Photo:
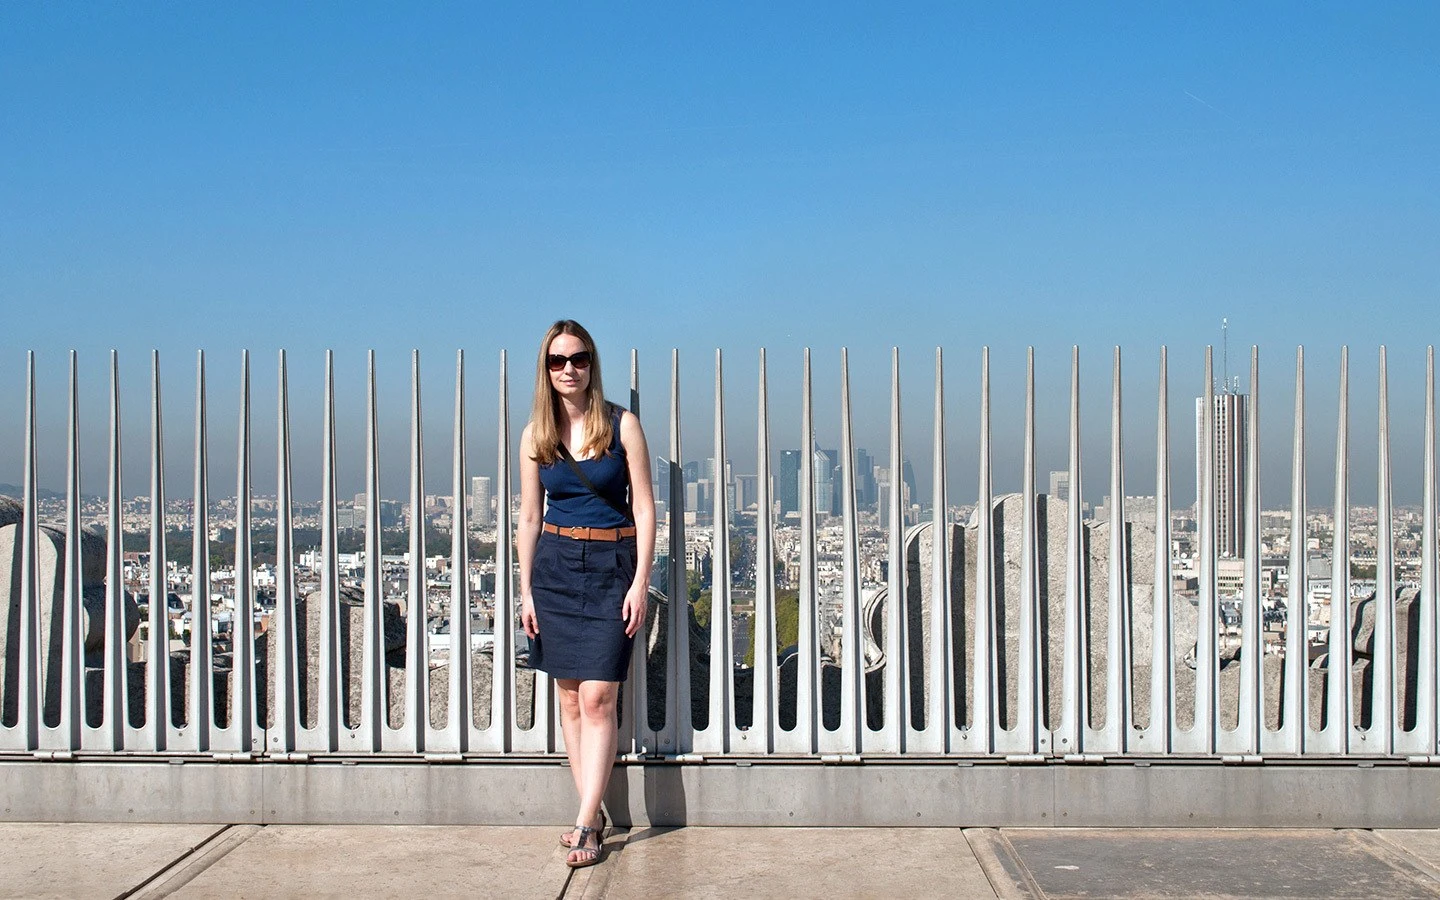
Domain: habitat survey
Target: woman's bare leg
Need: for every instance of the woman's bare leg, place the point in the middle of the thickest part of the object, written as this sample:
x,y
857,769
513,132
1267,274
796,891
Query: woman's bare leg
x,y
568,692
598,739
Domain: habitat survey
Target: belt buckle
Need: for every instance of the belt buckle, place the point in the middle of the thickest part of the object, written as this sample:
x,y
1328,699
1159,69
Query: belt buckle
x,y
575,532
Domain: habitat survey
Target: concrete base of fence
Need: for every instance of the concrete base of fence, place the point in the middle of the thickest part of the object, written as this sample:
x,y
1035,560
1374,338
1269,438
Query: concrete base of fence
x,y
1386,794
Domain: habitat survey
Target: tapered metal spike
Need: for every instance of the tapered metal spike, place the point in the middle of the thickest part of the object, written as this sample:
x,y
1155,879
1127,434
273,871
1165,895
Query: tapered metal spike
x,y
1380,736
157,672
766,700
201,717
1338,717
116,692
72,682
242,736
282,733
1117,637
1162,660
1074,679
329,722
982,708
897,706
852,644
939,710
807,692
1295,714
417,653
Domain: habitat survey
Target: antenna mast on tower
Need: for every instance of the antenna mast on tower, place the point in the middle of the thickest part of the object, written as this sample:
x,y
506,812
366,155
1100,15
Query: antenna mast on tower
x,y
1225,354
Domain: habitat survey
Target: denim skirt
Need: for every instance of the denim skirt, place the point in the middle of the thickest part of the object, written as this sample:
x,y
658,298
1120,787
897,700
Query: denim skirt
x,y
579,588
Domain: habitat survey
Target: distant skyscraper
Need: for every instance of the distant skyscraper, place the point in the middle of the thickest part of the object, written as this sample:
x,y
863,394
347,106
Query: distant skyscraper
x,y
912,494
481,498
747,491
1230,443
882,494
697,498
662,479
789,488
827,478
865,495
1060,485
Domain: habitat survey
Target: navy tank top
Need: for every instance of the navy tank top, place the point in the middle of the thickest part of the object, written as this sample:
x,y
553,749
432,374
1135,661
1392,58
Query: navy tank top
x,y
569,502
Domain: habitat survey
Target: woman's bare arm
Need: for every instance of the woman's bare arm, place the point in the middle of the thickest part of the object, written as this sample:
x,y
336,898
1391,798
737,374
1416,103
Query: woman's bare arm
x,y
527,529
642,505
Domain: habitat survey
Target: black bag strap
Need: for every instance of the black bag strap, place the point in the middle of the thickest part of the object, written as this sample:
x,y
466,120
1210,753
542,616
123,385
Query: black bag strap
x,y
575,467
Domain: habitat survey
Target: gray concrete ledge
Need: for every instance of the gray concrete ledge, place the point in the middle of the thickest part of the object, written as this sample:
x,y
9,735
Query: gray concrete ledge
x,y
728,794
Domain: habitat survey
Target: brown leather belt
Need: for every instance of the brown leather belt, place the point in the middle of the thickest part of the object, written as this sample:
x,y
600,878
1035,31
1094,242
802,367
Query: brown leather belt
x,y
581,533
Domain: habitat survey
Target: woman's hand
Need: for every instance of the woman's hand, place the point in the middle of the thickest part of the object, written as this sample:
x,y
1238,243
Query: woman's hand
x,y
527,616
637,601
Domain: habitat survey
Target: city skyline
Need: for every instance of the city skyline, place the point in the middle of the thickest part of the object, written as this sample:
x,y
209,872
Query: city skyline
x,y
871,421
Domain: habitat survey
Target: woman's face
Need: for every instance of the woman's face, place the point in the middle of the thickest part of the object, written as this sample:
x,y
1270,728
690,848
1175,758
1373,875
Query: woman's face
x,y
569,382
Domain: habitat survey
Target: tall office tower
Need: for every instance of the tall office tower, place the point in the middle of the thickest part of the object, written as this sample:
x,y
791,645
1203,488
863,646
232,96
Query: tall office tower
x,y
697,499
1228,449
912,494
662,479
747,491
865,496
481,496
1060,486
392,514
882,493
827,481
789,488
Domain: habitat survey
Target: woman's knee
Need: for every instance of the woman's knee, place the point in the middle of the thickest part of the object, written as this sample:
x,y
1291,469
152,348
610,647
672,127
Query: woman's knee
x,y
597,702
569,699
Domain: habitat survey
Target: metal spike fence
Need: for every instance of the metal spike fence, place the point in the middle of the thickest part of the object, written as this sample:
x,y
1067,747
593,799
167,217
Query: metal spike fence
x,y
940,692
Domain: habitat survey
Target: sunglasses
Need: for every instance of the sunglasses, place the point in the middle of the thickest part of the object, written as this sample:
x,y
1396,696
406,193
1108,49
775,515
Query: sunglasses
x,y
556,362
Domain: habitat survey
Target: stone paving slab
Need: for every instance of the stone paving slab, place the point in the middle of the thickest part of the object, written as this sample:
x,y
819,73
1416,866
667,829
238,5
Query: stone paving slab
x,y
78,862
1420,848
348,861
1067,864
143,862
787,863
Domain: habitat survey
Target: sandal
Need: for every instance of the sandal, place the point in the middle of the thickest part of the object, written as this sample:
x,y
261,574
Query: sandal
x,y
590,855
567,838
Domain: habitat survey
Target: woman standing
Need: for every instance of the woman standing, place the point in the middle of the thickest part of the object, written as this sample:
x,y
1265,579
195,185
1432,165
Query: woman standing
x,y
585,565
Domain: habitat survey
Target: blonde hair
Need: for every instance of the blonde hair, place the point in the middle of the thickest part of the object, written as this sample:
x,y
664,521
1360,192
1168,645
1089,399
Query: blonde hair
x,y
545,410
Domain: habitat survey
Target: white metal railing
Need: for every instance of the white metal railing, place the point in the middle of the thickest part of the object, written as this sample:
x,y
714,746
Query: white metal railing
x,y
287,732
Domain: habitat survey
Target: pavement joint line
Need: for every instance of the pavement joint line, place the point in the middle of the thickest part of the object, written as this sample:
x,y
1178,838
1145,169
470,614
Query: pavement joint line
x,y
560,855
174,863
1009,878
1393,852
1031,884
198,862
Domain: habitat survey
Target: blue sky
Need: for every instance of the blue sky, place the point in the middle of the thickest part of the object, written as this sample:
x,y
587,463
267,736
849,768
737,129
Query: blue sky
x,y
435,176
